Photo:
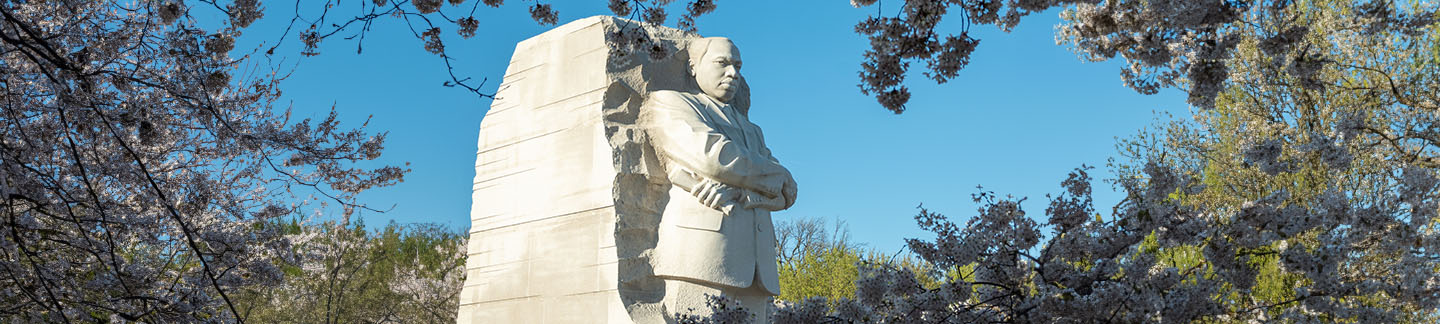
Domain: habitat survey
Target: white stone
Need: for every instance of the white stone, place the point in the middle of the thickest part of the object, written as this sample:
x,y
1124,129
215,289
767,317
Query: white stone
x,y
583,207
715,233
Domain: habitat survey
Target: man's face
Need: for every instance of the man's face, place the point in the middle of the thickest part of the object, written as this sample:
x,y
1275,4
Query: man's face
x,y
718,71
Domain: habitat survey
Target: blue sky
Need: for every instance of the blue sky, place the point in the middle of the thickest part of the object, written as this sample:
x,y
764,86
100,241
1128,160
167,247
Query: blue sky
x,y
1016,120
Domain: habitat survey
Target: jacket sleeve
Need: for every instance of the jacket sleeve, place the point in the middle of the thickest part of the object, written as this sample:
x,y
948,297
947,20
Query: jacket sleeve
x,y
688,142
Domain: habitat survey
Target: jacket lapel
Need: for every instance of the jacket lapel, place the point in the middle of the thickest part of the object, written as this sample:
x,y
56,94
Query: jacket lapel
x,y
724,119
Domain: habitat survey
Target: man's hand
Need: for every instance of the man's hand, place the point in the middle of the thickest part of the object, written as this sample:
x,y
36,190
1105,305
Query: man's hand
x,y
789,191
715,194
781,201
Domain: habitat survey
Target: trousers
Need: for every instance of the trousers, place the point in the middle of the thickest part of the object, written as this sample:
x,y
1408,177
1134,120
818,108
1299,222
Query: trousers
x,y
689,297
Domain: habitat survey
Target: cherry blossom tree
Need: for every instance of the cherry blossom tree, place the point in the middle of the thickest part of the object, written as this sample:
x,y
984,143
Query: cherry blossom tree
x,y
1157,259
1169,253
409,273
1177,44
1304,190
430,21
1168,43
142,167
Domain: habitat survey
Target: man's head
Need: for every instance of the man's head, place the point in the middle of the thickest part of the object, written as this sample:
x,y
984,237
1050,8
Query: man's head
x,y
715,63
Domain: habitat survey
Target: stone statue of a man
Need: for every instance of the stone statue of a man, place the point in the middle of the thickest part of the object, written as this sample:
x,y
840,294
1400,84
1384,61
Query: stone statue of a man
x,y
715,235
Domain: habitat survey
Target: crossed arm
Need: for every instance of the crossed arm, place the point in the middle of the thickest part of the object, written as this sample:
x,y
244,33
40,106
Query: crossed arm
x,y
722,197
714,169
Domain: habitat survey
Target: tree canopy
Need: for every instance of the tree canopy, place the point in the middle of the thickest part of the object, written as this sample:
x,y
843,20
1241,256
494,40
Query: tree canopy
x,y
142,166
1303,190
146,172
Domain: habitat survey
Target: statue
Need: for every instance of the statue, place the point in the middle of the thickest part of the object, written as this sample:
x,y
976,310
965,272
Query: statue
x,y
620,185
715,235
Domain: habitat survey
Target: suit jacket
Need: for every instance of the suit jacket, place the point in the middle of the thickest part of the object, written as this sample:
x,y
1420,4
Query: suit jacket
x,y
700,139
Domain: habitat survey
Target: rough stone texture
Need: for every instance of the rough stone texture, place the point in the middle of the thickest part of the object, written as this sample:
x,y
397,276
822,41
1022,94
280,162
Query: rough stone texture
x,y
568,191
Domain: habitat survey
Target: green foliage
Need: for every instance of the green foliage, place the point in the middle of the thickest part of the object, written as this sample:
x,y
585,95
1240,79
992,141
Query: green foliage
x,y
824,264
831,272
828,272
399,273
1351,125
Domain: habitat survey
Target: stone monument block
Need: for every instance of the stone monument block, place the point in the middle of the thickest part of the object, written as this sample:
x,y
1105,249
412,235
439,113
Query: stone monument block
x,y
606,182
559,158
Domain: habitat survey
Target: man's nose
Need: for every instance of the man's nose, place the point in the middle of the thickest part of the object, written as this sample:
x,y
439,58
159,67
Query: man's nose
x,y
731,71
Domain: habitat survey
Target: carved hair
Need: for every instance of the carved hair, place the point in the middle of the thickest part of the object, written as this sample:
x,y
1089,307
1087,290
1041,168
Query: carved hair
x,y
697,47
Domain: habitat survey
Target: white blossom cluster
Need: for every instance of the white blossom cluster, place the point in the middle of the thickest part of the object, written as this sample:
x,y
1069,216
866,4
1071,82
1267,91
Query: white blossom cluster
x,y
1168,43
1190,44
654,12
1126,269
348,274
145,171
914,34
724,311
430,20
427,20
1309,193
656,43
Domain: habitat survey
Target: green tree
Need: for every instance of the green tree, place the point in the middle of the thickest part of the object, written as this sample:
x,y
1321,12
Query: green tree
x,y
1349,114
828,272
818,260
140,165
397,274
815,259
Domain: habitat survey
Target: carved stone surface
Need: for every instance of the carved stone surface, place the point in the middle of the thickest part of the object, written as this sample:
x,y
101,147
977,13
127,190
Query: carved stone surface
x,y
715,233
570,191
542,246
